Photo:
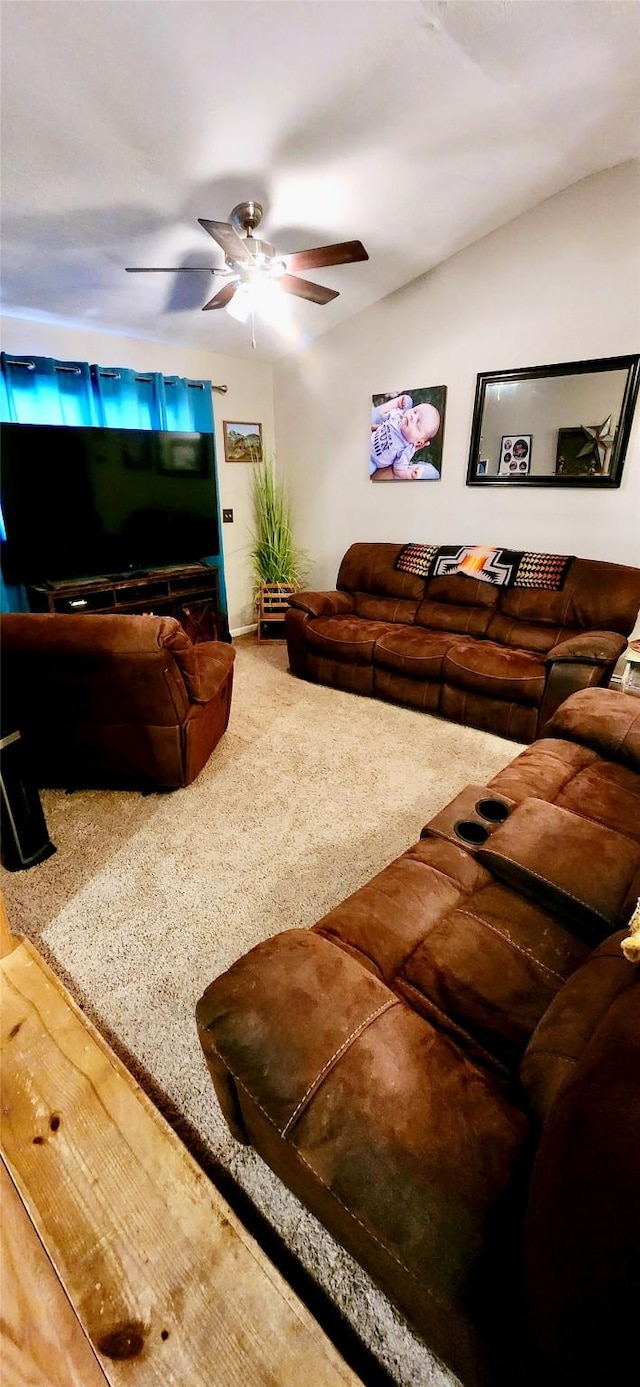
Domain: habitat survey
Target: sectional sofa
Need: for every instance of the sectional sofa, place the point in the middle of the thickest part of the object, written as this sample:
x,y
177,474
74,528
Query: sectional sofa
x,y
493,656
446,1068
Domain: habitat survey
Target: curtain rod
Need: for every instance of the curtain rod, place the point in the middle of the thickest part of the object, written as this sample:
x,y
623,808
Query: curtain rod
x,y
76,370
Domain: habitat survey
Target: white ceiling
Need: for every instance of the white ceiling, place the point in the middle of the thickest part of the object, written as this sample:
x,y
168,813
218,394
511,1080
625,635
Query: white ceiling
x,y
415,127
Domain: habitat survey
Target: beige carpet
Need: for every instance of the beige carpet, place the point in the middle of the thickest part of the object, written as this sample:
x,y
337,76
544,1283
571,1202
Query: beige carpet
x,y
310,792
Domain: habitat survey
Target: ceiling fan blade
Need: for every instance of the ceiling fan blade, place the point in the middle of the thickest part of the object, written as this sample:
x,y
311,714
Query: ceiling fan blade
x,y
316,293
232,244
172,270
222,298
344,253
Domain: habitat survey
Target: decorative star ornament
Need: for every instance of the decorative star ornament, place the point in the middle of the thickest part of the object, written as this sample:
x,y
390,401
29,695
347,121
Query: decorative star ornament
x,y
599,442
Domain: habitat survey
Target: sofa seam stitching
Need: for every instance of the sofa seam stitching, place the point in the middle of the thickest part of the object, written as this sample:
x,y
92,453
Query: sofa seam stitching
x,y
461,1030
315,1083
369,1232
512,944
555,1054
504,678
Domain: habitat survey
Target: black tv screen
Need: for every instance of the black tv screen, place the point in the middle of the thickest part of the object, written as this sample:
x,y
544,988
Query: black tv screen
x,y
83,502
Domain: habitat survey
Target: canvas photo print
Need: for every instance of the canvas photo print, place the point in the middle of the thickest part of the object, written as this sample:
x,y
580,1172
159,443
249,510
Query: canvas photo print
x,y
406,435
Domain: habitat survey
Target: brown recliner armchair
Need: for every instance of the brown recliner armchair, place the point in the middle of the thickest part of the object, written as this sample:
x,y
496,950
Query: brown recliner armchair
x,y
114,700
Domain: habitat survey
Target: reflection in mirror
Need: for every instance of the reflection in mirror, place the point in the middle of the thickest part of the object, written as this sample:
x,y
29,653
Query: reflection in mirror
x,y
561,425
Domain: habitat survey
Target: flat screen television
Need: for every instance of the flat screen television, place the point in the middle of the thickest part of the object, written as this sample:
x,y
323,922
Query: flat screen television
x,y
85,502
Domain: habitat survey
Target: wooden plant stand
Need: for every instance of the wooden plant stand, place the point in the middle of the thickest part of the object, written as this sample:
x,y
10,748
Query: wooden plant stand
x,y
272,603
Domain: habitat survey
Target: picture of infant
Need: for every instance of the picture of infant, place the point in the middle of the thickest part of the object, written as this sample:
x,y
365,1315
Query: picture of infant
x,y
406,435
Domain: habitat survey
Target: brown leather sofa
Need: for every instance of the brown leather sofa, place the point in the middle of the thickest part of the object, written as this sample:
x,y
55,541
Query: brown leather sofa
x,y
498,658
113,700
446,1068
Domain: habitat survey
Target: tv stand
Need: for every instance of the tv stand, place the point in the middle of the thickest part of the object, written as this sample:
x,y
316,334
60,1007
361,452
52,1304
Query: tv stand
x,y
189,592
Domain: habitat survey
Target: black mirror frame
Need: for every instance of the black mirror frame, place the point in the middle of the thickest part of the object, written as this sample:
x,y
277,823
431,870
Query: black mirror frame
x,y
629,363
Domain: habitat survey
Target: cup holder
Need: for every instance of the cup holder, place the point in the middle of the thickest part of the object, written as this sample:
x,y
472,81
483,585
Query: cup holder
x,y
471,832
493,810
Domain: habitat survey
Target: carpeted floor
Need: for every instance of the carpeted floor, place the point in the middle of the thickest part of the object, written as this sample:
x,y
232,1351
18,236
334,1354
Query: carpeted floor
x,y
310,792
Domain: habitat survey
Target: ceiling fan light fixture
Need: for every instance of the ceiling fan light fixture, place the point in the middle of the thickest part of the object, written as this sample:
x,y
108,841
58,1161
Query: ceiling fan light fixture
x,y
259,295
242,303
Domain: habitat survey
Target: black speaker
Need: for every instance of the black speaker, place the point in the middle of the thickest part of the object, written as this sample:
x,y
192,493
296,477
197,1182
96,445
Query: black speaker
x,y
24,837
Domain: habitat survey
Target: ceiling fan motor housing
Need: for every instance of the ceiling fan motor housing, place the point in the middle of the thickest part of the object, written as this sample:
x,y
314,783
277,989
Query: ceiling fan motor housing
x,y
246,216
262,254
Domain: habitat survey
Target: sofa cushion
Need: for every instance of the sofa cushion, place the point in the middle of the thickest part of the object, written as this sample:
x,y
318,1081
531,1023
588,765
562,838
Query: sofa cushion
x,y
542,769
396,609
607,794
491,965
383,922
445,616
594,596
604,719
472,957
414,651
371,568
537,636
459,590
349,638
458,604
486,668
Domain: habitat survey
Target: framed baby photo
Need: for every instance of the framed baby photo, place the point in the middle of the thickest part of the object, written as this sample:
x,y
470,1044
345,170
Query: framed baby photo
x,y
515,455
242,442
406,434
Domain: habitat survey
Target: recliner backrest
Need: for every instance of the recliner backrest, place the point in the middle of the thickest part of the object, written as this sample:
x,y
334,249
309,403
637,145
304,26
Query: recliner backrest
x,y
95,669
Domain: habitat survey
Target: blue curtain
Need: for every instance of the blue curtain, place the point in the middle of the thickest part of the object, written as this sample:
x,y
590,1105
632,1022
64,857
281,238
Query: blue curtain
x,y
39,390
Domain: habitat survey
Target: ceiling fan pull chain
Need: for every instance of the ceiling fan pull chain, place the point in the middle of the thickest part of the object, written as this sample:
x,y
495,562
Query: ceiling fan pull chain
x,y
253,328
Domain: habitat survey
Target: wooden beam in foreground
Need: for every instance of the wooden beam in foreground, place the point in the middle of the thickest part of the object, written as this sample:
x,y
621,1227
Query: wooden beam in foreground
x,y
8,941
43,1344
170,1289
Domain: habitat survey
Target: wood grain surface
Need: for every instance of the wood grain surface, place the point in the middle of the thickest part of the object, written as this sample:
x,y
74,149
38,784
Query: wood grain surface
x,y
42,1343
169,1287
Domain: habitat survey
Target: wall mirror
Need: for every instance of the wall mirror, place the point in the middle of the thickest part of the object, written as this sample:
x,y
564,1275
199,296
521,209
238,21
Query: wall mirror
x,y
561,425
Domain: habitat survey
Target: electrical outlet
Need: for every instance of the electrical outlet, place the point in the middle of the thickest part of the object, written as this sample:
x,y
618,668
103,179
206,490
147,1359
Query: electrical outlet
x,y
227,517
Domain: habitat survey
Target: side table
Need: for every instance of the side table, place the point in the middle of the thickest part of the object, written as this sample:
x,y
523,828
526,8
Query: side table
x,y
631,674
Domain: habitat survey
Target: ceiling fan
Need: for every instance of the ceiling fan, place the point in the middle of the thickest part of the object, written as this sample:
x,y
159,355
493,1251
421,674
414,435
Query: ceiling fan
x,y
252,268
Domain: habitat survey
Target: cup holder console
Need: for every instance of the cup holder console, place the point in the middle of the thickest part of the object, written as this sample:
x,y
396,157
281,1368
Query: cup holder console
x,y
495,811
471,832
471,818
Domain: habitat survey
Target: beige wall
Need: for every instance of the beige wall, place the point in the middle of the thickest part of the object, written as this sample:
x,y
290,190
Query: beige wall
x,y
560,283
249,397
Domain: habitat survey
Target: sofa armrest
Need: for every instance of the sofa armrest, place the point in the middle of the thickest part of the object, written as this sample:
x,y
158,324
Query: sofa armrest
x,y
324,603
281,1018
598,647
213,663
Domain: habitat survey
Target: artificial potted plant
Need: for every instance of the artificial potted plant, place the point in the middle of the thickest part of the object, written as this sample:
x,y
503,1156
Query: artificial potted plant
x,y
279,567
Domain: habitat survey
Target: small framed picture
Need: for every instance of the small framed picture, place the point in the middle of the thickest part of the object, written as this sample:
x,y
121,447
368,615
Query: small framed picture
x,y
515,455
242,442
